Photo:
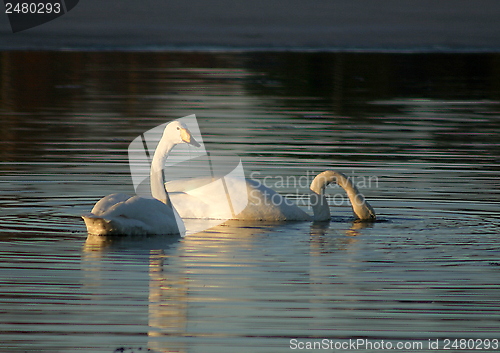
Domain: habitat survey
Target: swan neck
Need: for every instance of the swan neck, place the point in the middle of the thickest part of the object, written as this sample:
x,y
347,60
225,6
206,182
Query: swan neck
x,y
318,201
361,208
158,190
319,183
319,204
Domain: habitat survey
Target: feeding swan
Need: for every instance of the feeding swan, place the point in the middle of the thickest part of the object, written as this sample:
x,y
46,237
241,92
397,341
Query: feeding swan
x,y
263,202
120,214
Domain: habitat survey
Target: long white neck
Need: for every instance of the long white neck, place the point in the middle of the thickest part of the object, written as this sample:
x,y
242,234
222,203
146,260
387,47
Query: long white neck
x,y
318,200
156,174
360,206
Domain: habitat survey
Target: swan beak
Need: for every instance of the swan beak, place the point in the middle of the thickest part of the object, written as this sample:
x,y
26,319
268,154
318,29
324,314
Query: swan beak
x,y
188,138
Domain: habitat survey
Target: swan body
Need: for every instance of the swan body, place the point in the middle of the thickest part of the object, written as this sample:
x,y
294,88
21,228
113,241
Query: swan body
x,y
120,214
264,204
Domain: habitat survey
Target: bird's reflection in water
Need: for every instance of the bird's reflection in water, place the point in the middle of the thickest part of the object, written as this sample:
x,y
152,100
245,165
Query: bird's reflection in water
x,y
221,265
167,293
329,249
356,226
326,239
176,267
168,302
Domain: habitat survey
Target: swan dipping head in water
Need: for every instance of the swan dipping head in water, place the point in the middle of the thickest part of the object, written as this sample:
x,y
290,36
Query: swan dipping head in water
x,y
360,207
264,204
120,214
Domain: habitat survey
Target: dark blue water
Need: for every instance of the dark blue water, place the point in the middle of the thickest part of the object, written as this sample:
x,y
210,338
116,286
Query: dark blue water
x,y
419,133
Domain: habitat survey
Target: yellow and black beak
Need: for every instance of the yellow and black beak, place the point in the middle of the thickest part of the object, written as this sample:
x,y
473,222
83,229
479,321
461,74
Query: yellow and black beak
x,y
188,138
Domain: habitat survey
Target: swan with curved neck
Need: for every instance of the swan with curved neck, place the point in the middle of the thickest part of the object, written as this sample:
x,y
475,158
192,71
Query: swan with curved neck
x,y
265,204
361,208
120,214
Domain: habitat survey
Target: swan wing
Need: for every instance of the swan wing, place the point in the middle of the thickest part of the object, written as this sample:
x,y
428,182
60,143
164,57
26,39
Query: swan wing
x,y
207,198
191,206
266,204
106,203
231,198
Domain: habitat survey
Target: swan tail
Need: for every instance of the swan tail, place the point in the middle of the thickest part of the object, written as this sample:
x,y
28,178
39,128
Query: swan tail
x,y
101,226
97,225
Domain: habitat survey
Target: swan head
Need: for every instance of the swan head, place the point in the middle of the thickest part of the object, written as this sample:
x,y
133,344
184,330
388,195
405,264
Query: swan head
x,y
179,133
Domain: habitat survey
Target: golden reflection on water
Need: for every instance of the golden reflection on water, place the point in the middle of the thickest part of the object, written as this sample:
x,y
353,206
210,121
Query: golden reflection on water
x,y
321,241
422,124
196,270
168,301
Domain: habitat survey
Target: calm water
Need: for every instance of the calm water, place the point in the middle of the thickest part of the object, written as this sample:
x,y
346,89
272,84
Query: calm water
x,y
419,132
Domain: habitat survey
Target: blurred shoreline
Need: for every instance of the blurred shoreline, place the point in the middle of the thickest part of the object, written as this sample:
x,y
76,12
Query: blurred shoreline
x,y
195,25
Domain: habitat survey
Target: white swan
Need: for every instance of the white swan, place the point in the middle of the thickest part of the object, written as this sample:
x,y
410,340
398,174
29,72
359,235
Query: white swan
x,y
120,214
263,202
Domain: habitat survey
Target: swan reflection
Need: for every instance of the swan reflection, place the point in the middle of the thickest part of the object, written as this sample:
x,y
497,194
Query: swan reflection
x,y
212,283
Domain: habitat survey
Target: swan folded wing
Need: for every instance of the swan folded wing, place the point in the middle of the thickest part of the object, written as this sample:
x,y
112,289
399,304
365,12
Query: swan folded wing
x,y
106,203
231,198
266,204
190,206
208,198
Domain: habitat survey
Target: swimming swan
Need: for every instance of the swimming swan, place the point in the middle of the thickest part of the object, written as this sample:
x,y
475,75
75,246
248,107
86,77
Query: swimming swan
x,y
263,202
120,214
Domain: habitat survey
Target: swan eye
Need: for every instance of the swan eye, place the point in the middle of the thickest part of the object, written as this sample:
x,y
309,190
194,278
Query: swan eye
x,y
178,128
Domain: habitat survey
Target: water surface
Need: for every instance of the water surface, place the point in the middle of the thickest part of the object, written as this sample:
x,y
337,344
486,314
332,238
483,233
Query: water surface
x,y
419,133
